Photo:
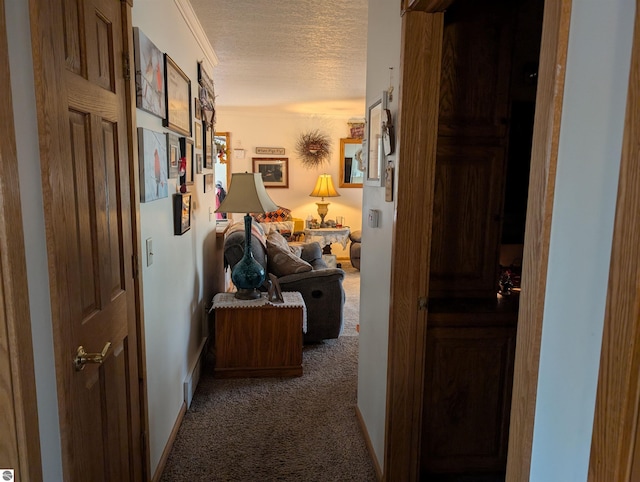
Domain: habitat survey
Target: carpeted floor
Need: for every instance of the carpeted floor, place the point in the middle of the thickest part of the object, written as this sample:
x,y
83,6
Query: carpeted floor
x,y
285,429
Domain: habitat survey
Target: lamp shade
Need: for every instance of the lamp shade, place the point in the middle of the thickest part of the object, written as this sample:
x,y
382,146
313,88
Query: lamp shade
x,y
247,194
324,187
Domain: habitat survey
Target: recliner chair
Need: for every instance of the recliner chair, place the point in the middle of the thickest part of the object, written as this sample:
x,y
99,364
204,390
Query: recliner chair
x,y
354,248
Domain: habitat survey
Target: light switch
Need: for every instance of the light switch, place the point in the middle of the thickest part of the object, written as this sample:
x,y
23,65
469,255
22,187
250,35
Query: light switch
x,y
149,252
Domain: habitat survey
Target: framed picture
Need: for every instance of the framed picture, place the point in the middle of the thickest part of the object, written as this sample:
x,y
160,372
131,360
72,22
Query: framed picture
x,y
375,151
275,292
198,163
208,183
197,110
186,151
198,135
209,148
150,80
181,213
173,148
153,165
178,98
274,170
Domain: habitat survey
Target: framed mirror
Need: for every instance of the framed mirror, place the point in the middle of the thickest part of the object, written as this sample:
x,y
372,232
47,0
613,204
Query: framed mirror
x,y
351,163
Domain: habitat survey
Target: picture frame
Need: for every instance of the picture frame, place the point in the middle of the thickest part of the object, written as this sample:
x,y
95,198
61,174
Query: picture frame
x,y
374,174
274,292
173,149
186,151
208,183
198,163
152,152
274,171
197,110
150,75
198,135
177,99
181,213
209,147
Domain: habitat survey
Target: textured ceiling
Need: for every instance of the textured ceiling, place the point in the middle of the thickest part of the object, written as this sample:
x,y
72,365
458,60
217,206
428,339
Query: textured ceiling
x,y
305,54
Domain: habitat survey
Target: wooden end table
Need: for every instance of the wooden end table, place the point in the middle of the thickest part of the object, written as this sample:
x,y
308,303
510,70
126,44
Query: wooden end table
x,y
256,338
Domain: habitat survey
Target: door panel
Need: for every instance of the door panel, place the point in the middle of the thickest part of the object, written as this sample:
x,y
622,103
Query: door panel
x,y
89,226
466,210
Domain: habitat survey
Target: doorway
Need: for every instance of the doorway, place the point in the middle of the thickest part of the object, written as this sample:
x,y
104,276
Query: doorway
x,y
423,44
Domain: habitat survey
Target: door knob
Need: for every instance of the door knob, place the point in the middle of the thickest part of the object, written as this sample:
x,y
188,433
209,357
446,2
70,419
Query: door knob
x,y
82,357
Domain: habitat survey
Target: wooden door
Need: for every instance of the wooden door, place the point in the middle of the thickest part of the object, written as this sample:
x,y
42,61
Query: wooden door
x,y
472,141
78,61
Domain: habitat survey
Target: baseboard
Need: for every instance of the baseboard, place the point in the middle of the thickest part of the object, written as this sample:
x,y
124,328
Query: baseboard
x,y
367,441
167,449
193,377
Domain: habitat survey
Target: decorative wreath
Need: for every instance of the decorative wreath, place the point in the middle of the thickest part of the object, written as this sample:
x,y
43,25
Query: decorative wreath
x,y
314,148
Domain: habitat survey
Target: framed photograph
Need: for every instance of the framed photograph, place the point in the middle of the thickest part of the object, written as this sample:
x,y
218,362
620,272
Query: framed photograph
x,y
178,98
198,163
186,151
209,148
150,80
153,165
198,135
173,148
375,151
275,292
208,183
274,170
197,110
181,213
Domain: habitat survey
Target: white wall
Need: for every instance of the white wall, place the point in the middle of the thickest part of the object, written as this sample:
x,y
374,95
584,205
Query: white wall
x,y
581,232
24,110
280,127
383,52
174,285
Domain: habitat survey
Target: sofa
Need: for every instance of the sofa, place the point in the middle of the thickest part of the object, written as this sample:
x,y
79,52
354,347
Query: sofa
x,y
297,268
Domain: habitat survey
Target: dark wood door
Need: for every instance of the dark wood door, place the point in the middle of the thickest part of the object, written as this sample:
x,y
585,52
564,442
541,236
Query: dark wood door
x,y
467,405
78,52
472,141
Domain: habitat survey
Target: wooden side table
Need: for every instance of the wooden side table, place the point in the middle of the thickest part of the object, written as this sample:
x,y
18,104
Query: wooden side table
x,y
256,338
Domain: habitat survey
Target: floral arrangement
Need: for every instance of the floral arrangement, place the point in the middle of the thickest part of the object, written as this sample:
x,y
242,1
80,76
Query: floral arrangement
x,y
314,148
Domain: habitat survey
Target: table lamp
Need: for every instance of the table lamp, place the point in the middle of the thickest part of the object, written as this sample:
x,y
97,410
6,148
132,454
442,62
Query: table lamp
x,y
247,194
324,188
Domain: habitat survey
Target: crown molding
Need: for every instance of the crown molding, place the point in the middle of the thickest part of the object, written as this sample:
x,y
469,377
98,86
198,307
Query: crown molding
x,y
190,17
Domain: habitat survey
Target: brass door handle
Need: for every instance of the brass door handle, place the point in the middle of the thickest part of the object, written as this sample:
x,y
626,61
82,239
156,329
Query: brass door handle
x,y
82,357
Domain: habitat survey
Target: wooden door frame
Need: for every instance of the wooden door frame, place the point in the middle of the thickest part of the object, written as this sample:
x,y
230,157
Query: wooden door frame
x,y
134,190
422,26
614,450
20,449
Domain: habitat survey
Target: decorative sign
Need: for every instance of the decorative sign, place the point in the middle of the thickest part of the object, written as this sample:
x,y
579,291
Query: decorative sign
x,y
277,151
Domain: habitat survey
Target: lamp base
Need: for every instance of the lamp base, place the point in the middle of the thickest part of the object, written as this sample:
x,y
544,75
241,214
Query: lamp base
x,y
323,209
247,274
247,294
